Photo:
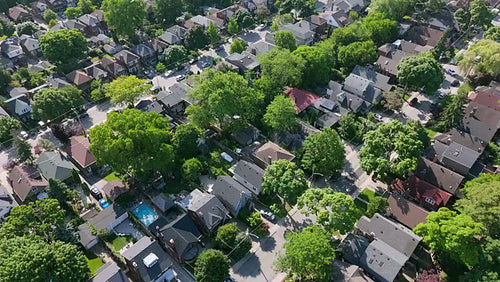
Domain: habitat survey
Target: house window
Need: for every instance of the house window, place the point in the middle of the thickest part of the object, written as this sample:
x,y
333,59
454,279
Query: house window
x,y
430,201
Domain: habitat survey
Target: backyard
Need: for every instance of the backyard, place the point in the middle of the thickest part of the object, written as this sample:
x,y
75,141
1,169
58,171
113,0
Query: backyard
x,y
93,261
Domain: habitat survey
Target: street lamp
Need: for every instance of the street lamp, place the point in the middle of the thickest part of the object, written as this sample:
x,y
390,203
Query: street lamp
x,y
251,234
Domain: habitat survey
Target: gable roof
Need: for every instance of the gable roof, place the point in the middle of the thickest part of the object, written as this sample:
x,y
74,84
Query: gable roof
x,y
424,35
142,50
53,165
383,261
112,65
29,43
486,96
250,172
107,216
463,138
185,235
80,152
405,211
379,80
207,206
439,176
114,188
89,20
78,77
260,47
301,98
96,71
483,114
176,94
273,152
244,60
163,202
346,272
23,179
17,11
459,154
230,192
362,87
110,272
126,56
424,192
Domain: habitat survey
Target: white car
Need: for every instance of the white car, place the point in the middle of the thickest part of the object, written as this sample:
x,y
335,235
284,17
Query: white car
x,y
180,77
378,117
441,95
261,27
452,72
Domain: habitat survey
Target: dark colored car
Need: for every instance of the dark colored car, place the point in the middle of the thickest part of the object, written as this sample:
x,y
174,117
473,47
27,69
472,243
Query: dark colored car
x,y
413,102
455,83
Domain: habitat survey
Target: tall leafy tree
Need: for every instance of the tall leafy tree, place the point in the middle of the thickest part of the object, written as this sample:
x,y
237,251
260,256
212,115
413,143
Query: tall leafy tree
x,y
224,98
377,205
133,142
316,70
64,46
282,67
394,9
212,266
213,33
27,28
52,103
124,16
419,71
390,150
166,11
381,28
232,241
238,46
23,150
453,111
232,27
334,210
285,39
27,259
126,90
308,254
58,190
7,126
493,33
455,235
481,14
280,114
48,15
185,140
73,12
243,18
487,52
175,55
285,179
357,53
86,6
5,79
323,153
196,38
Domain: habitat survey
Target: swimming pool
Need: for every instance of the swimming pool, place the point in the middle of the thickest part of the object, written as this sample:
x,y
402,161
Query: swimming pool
x,y
145,214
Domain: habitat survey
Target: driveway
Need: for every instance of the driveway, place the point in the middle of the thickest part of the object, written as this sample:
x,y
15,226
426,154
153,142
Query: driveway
x,y
448,79
419,111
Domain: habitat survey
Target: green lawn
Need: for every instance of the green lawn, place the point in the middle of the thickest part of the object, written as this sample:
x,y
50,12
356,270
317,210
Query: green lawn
x,y
120,242
94,262
431,132
111,177
367,195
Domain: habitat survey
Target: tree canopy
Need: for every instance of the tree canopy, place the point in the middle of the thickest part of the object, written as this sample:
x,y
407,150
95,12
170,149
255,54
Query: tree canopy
x,y
48,15
134,142
285,179
124,16
231,240
64,47
392,149
419,71
316,70
282,67
323,153
212,266
483,57
28,259
334,210
308,254
381,28
232,27
222,97
357,53
7,125
213,33
394,9
185,140
480,14
52,103
280,113
456,235
238,46
175,55
493,33
196,38
353,127
166,11
285,39
126,90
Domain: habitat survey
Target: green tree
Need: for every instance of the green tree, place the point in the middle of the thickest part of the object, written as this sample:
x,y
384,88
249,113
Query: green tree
x,y
135,142
433,6
281,19
212,266
23,150
124,16
422,134
419,71
238,46
334,210
357,53
482,203
5,79
323,153
231,240
27,28
73,12
185,140
126,90
455,235
166,11
354,128
282,67
262,13
280,114
308,254
63,47
191,169
52,103
316,70
175,55
381,28
232,27
52,23
86,6
463,18
7,126
196,38
481,14
487,52
58,190
453,111
285,179
482,179
213,33
493,33
377,205
243,18
394,9
393,100
8,27
285,39
392,149
26,259
220,97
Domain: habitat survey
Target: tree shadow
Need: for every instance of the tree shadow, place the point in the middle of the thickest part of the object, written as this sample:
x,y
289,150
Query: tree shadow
x,y
251,267
268,244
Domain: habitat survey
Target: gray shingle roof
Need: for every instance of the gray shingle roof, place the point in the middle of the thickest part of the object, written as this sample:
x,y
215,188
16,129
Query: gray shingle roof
x,y
250,172
380,81
107,216
230,192
382,261
185,235
53,165
110,272
439,176
207,206
362,87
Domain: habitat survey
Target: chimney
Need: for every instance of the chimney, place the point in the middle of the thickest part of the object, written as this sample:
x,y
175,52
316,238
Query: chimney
x,y
473,112
435,158
300,24
172,243
254,52
269,159
350,102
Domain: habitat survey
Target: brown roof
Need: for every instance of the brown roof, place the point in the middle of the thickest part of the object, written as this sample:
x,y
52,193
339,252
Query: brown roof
x,y
99,14
78,77
23,179
440,176
16,11
405,211
422,191
423,35
113,189
316,20
488,97
79,151
274,152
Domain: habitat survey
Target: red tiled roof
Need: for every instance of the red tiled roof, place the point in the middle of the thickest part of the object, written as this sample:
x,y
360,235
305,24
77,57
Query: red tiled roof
x,y
80,152
426,193
302,98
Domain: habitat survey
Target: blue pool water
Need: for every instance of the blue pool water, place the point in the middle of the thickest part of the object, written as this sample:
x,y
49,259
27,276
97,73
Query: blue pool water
x,y
145,214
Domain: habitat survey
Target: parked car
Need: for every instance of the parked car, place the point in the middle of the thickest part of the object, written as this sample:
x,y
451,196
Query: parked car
x,y
267,214
261,27
452,72
205,65
413,102
455,83
95,193
441,95
103,203
180,77
378,117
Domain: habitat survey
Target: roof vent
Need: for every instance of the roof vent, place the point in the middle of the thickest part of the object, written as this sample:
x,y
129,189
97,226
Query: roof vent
x,y
150,260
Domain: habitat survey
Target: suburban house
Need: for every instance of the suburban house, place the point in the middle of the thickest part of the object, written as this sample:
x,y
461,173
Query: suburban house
x,y
38,7
481,121
106,219
336,19
246,135
16,91
80,152
114,188
26,182
270,152
147,261
346,272
406,212
19,107
302,98
147,105
260,47
351,102
424,35
175,100
19,14
439,176
80,79
181,238
231,193
318,24
159,47
385,256
423,192
58,6
459,158
198,20
379,80
249,175
30,45
110,272
92,25
163,202
12,50
53,165
347,5
391,54
6,203
486,96
463,138
98,40
129,59
112,48
244,61
113,67
173,35
146,53
302,32
363,88
205,210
